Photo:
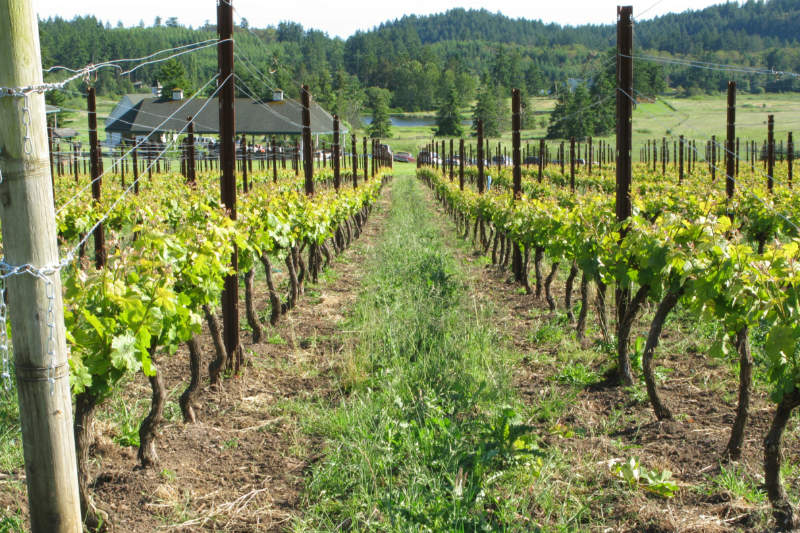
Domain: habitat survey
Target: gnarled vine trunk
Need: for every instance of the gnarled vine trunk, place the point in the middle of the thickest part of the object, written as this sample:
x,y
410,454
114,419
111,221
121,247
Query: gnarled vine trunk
x,y
85,406
782,509
665,306
627,311
149,428
274,299
551,302
188,399
249,304
215,366
734,448
573,272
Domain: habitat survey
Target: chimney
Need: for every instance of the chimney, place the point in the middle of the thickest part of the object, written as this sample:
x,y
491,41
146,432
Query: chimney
x,y
277,95
177,94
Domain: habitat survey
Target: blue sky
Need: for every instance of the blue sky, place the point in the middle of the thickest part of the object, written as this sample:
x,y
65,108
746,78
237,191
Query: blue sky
x,y
344,17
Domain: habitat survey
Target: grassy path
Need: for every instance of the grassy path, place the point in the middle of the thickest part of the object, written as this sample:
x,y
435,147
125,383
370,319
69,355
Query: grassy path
x,y
426,437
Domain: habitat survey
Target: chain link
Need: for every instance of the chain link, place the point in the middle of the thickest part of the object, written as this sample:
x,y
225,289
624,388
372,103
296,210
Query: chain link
x,y
50,292
26,122
5,368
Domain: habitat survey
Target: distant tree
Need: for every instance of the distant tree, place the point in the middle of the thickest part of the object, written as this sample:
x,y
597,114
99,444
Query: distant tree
x,y
173,75
527,119
448,119
381,126
157,22
172,22
572,116
489,108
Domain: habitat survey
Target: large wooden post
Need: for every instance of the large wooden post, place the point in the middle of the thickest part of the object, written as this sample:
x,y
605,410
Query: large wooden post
x,y
516,122
730,142
481,179
35,308
191,174
97,181
227,122
336,162
354,142
308,150
624,166
461,164
770,152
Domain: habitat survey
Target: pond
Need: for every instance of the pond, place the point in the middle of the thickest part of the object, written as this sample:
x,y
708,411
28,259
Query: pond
x,y
410,122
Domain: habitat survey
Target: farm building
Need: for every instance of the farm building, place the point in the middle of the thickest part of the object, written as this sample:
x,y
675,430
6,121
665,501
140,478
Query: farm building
x,y
141,114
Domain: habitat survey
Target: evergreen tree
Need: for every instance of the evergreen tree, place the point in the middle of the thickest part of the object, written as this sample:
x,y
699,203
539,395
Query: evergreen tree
x,y
448,119
173,76
381,126
573,115
489,108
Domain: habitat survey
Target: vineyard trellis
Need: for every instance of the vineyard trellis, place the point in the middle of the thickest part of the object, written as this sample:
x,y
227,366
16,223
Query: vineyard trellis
x,y
731,257
122,314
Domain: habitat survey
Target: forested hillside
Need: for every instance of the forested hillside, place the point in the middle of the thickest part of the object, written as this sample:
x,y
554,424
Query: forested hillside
x,y
421,59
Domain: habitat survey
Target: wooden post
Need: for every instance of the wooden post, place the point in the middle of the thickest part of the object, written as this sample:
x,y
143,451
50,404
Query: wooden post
x,y
366,159
191,174
461,164
770,152
308,163
245,157
624,145
541,158
355,160
336,176
135,170
680,160
452,162
35,307
730,146
572,164
274,144
516,124
75,160
97,181
227,121
481,180
790,158
590,151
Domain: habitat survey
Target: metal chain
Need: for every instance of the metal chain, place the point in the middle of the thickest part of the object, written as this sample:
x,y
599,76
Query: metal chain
x,y
5,369
27,142
50,292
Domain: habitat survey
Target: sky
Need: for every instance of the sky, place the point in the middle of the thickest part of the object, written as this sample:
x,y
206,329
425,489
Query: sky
x,y
342,18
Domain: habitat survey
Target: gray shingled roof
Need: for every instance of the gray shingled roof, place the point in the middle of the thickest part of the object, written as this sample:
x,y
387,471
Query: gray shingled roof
x,y
257,118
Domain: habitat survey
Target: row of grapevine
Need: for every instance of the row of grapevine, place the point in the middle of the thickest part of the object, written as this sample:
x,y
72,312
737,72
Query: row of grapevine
x,y
734,261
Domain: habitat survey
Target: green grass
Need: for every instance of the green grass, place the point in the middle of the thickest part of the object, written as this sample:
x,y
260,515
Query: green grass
x,y
430,437
697,118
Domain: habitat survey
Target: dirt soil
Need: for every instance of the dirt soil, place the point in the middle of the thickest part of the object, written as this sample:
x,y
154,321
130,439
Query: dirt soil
x,y
241,467
603,420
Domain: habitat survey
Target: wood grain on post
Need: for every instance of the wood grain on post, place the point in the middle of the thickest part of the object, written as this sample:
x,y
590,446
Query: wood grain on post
x,y
29,237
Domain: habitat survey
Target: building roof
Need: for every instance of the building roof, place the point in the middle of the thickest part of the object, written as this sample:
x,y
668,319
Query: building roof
x,y
64,133
282,117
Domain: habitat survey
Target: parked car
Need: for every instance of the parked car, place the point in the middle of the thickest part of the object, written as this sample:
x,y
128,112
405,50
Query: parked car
x,y
531,160
429,158
404,157
502,160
